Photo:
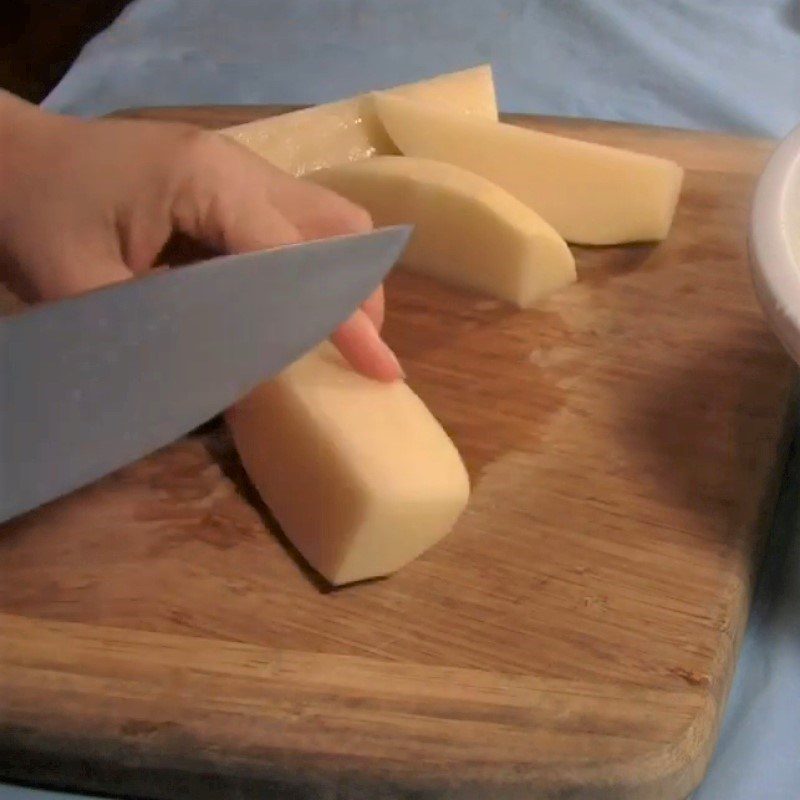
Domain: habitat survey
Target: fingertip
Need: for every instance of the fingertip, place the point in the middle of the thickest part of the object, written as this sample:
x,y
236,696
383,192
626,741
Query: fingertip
x,y
388,369
360,343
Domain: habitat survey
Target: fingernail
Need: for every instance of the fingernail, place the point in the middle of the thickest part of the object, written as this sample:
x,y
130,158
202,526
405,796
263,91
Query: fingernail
x,y
396,361
391,355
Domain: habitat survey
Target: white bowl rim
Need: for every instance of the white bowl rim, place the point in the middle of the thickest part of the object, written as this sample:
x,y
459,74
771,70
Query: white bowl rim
x,y
775,267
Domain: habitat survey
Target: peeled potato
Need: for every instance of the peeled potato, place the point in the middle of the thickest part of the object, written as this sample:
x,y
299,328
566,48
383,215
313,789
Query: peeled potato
x,y
468,231
591,194
349,130
360,475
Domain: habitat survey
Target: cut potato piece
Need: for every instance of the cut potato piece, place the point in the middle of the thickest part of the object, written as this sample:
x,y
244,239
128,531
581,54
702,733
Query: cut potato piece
x,y
359,474
348,130
591,194
468,231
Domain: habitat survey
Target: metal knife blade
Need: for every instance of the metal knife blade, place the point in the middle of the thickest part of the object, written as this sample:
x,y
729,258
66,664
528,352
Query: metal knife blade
x,y
94,382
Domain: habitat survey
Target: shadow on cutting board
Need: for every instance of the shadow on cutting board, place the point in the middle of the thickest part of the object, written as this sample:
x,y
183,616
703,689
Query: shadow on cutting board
x,y
469,358
697,442
220,447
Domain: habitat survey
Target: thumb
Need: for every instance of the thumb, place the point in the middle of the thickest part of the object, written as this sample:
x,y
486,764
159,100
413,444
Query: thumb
x,y
91,274
53,277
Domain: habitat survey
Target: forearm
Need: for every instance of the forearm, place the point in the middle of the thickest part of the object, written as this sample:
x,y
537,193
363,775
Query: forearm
x,y
10,104
16,117
24,127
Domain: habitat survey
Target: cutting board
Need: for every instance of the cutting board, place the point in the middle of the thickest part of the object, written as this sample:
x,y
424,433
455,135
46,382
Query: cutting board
x,y
574,636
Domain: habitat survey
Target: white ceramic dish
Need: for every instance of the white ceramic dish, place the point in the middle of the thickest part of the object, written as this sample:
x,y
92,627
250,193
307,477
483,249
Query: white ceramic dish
x,y
775,242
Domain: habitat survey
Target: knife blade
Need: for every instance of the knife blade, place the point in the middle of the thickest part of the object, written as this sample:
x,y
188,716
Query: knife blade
x,y
91,383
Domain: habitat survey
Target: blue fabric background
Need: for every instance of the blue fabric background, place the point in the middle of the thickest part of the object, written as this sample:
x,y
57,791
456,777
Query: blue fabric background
x,y
717,64
723,64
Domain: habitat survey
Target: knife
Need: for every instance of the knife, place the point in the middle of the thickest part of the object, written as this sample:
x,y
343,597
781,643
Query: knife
x,y
91,383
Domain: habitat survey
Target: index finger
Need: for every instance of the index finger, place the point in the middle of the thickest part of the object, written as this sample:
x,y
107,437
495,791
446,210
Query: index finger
x,y
360,343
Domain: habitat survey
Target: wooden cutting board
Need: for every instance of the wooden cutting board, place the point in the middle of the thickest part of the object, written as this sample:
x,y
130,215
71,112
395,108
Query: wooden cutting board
x,y
574,637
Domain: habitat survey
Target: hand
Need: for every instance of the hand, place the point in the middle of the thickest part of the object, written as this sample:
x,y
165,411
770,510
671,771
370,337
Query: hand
x,y
88,203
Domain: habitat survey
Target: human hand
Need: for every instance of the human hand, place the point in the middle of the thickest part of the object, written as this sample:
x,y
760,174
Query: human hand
x,y
88,203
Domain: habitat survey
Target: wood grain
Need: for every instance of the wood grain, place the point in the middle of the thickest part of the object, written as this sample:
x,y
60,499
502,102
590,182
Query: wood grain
x,y
575,635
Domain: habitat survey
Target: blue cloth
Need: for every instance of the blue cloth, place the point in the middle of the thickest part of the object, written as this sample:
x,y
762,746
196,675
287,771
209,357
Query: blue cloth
x,y
726,64
729,65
